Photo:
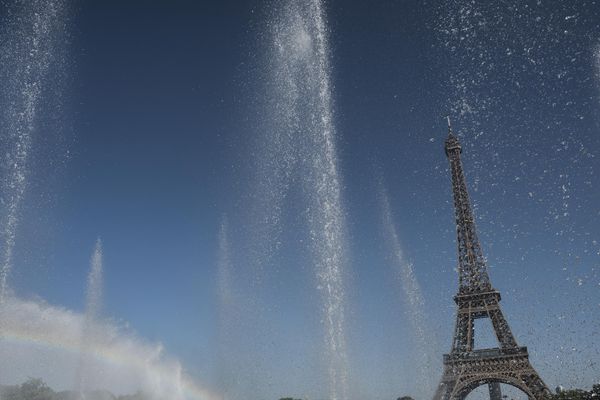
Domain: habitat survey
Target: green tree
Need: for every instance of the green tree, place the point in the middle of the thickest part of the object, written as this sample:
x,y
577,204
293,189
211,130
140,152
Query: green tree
x,y
32,389
577,394
137,396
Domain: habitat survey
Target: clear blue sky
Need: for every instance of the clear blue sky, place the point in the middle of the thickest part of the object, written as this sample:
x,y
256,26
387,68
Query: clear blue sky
x,y
159,116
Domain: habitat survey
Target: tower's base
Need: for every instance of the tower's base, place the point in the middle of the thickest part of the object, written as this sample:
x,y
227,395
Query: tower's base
x,y
464,372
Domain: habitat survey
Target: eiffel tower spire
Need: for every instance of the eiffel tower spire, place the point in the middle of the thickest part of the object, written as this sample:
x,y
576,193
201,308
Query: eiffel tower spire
x,y
472,270
466,368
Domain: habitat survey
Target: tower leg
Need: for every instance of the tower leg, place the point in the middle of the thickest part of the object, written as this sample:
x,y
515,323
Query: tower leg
x,y
495,391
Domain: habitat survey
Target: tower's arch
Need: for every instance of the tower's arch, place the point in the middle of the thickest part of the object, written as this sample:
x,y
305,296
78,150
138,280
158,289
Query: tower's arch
x,y
465,388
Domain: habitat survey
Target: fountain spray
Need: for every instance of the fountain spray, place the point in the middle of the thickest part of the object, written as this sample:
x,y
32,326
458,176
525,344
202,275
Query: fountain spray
x,y
411,291
27,51
93,306
301,143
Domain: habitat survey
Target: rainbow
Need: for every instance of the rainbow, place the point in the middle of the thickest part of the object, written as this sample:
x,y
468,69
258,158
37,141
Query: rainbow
x,y
171,373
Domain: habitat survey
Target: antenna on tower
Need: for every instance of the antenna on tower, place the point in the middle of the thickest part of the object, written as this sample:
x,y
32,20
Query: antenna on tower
x,y
449,124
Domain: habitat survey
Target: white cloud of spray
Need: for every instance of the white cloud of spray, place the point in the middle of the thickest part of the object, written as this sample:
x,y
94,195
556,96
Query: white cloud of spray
x,y
41,340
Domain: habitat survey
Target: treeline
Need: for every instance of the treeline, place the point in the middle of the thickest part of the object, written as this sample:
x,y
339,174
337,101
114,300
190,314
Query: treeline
x,y
571,394
37,389
578,394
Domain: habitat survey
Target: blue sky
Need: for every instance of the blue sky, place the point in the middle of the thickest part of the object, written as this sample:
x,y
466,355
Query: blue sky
x,y
154,140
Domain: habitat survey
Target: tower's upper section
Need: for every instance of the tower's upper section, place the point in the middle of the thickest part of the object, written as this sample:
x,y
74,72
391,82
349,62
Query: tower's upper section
x,y
473,276
452,143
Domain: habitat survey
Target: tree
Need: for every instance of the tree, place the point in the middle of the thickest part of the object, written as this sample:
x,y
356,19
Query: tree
x,y
577,394
137,396
405,398
32,389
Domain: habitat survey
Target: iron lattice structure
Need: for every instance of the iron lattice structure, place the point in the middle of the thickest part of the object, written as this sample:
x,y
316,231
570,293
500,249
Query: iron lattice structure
x,y
466,368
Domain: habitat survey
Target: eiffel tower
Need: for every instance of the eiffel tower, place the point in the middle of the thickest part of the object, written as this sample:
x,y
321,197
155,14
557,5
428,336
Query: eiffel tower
x,y
466,368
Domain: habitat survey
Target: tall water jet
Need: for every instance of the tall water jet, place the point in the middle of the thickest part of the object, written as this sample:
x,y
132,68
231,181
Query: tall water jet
x,y
413,296
27,50
596,61
224,266
93,306
300,147
93,300
227,326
